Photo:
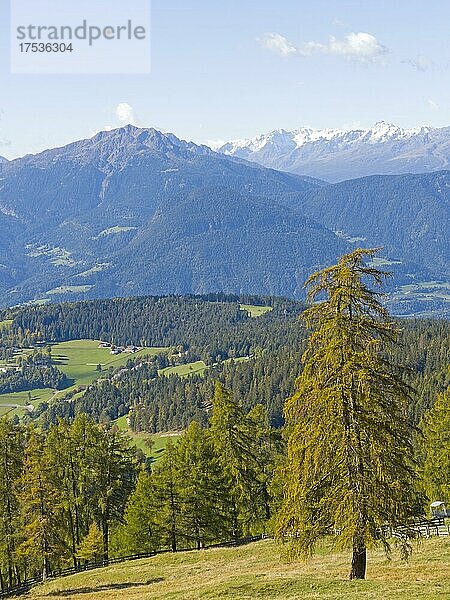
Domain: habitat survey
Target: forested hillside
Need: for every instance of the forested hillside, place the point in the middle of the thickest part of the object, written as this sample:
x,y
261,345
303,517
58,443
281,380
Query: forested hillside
x,y
69,464
210,327
258,358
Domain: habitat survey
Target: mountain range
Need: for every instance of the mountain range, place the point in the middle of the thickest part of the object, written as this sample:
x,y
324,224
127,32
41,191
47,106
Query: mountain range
x,y
339,154
135,211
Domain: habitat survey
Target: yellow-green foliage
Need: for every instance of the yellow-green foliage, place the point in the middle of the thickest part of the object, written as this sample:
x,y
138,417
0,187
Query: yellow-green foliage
x,y
6,324
348,467
436,470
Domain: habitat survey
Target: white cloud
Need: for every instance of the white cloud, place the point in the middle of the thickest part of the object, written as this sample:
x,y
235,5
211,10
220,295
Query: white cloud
x,y
433,105
125,114
278,43
361,47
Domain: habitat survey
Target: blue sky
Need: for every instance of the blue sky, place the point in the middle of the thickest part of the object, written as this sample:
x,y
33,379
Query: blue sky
x,y
222,70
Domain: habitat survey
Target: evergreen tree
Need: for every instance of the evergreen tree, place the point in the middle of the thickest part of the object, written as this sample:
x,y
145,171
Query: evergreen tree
x,y
348,471
164,485
64,473
11,463
226,430
114,466
265,447
203,489
247,447
41,507
91,547
141,531
436,444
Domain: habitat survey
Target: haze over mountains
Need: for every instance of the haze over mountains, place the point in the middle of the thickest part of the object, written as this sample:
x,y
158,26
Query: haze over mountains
x,y
339,154
135,211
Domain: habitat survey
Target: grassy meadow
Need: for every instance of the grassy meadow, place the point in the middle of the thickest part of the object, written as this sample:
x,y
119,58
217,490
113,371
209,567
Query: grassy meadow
x,y
254,310
8,402
256,571
78,360
151,444
195,368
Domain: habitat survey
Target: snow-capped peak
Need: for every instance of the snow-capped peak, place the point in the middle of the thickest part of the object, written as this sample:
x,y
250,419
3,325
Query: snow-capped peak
x,y
336,154
381,131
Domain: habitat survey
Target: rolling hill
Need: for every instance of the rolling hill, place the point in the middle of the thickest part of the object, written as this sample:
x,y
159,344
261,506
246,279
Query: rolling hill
x,y
256,571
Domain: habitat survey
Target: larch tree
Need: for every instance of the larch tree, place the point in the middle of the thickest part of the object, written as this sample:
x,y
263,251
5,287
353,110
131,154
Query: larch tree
x,y
203,489
436,445
11,464
41,507
349,470
114,467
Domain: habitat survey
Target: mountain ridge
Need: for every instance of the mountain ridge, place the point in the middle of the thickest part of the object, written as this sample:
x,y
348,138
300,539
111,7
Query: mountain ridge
x,y
340,154
135,211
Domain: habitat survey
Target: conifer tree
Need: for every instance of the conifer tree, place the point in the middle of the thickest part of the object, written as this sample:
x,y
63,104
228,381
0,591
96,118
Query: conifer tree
x,y
114,466
231,447
65,476
141,531
348,471
164,485
11,462
40,501
246,446
436,444
203,489
265,446
91,547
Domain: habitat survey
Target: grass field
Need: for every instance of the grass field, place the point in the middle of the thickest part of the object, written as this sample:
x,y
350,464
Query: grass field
x,y
254,310
194,368
256,571
21,399
78,359
159,441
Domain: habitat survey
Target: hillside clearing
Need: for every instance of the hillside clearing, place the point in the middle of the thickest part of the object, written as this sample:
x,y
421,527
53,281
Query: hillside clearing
x,y
194,368
255,310
21,399
158,441
78,360
256,571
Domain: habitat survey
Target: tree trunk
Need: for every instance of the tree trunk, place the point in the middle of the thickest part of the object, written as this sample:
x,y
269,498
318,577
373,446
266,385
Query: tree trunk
x,y
358,560
105,536
173,540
